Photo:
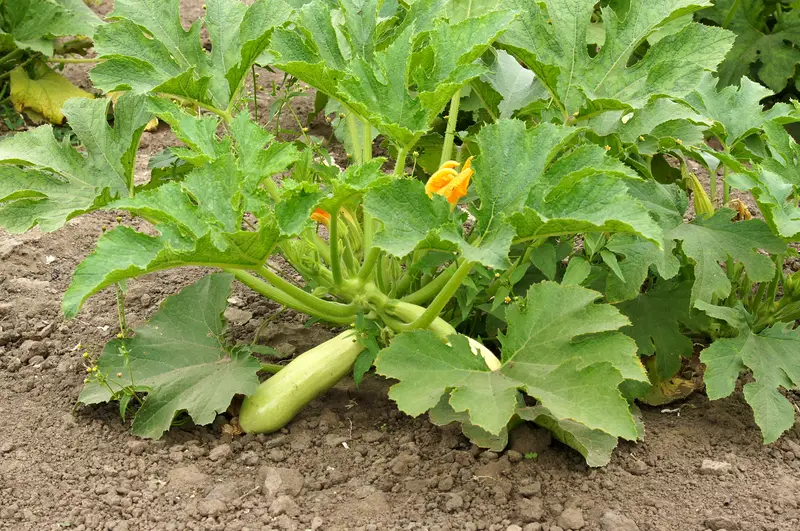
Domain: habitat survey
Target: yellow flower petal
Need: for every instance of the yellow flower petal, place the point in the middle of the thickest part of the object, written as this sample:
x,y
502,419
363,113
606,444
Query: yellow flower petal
x,y
449,183
320,216
439,180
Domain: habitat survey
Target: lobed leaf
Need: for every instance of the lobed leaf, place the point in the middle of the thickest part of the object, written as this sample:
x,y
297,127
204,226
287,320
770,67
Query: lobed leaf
x,y
554,46
737,111
398,80
773,182
561,348
58,182
771,355
594,445
180,356
770,51
123,253
33,24
710,241
518,177
146,48
656,318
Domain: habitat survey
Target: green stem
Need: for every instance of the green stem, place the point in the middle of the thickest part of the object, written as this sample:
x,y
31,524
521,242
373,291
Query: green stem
x,y
758,298
429,291
734,280
731,12
272,368
69,60
442,298
369,230
352,131
450,133
22,64
400,163
726,189
369,225
225,115
712,184
322,247
123,321
266,323
369,263
367,141
281,297
349,258
379,276
485,104
272,188
255,92
336,266
11,56
408,313
773,286
491,290
324,307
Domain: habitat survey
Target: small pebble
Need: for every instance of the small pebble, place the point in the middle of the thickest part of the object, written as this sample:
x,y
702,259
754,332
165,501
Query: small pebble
x,y
714,468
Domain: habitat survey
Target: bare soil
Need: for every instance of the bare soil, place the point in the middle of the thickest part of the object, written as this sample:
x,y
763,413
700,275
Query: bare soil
x,y
351,461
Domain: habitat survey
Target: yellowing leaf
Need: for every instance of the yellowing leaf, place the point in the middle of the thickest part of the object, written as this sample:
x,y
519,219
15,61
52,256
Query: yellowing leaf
x,y
44,94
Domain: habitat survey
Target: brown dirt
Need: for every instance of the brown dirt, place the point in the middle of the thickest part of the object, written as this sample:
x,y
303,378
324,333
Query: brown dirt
x,y
350,461
357,461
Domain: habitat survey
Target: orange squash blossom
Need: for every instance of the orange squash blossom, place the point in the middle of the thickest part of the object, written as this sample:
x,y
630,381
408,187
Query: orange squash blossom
x,y
450,183
320,216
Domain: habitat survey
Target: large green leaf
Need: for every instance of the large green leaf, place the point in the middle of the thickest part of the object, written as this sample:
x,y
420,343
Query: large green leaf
x,y
407,213
298,201
427,369
443,414
449,60
200,220
639,255
254,161
708,242
656,316
737,111
411,219
181,357
512,159
661,125
199,133
564,348
595,446
124,253
147,49
667,205
772,46
33,24
774,182
551,39
515,85
772,357
398,79
57,181
561,348
519,178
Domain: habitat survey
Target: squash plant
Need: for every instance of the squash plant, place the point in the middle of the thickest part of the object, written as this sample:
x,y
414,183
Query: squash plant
x,y
557,242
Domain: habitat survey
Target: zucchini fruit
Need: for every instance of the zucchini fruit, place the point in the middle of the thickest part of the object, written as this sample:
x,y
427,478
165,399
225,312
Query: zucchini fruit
x,y
276,402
